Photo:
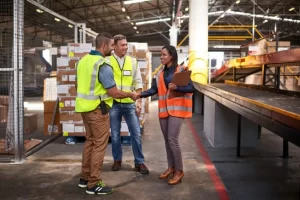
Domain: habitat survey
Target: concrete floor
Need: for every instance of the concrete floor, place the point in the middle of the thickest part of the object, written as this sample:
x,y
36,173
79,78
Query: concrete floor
x,y
53,172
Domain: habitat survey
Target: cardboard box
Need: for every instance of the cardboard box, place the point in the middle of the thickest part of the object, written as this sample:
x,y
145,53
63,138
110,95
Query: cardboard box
x,y
62,62
57,128
70,116
49,107
66,90
141,55
48,118
30,123
67,103
72,63
3,113
145,77
73,129
125,134
66,77
4,100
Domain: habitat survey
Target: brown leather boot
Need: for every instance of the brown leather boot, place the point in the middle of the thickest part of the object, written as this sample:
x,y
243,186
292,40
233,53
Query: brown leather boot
x,y
167,173
116,166
176,178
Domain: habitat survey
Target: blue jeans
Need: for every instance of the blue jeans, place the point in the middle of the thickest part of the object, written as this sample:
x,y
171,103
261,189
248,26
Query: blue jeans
x,y
128,111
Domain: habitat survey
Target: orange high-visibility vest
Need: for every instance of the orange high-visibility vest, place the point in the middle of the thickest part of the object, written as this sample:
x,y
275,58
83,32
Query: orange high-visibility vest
x,y
177,106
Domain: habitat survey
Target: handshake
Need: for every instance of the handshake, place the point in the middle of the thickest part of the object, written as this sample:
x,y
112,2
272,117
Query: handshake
x,y
134,96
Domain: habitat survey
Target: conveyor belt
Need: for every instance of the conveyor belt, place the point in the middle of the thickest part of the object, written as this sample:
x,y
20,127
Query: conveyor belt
x,y
288,103
278,113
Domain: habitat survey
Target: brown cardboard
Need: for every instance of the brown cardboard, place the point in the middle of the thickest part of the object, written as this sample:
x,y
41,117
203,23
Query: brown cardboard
x,y
125,134
77,130
4,100
66,77
72,63
48,118
30,123
3,113
49,106
67,103
70,116
70,93
140,54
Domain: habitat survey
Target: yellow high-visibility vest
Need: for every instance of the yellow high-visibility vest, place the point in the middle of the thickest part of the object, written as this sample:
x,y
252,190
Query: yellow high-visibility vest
x,y
124,76
89,89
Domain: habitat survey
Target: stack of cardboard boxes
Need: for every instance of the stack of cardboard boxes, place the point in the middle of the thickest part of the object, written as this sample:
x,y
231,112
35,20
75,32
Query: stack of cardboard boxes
x,y
144,57
72,124
51,111
66,119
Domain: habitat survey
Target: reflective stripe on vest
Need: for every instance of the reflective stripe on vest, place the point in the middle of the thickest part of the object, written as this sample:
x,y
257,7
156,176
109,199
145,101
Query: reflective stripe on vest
x,y
92,97
130,88
177,106
89,89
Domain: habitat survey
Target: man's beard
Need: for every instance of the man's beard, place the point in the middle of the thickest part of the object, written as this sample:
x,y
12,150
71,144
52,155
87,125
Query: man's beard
x,y
108,53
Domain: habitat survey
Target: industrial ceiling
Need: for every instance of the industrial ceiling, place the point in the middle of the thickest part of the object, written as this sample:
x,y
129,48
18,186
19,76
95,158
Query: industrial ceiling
x,y
132,19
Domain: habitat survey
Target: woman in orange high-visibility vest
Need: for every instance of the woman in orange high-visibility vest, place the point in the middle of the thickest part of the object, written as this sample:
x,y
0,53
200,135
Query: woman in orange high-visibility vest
x,y
173,109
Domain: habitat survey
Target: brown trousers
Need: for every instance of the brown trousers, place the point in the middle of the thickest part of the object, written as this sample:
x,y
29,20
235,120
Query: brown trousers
x,y
97,135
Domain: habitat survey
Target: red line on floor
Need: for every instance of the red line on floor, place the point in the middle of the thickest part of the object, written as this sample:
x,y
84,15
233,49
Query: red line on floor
x,y
219,186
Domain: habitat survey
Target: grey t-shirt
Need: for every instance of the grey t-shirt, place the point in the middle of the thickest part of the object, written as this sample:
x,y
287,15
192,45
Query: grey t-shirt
x,y
106,76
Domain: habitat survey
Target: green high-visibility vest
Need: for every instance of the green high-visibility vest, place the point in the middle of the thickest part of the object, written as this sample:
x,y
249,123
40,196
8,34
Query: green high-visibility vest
x,y
124,76
89,89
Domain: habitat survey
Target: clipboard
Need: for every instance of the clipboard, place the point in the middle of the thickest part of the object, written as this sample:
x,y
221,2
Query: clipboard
x,y
181,78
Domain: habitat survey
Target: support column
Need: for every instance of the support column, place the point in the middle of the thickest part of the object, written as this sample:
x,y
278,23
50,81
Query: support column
x,y
173,35
198,40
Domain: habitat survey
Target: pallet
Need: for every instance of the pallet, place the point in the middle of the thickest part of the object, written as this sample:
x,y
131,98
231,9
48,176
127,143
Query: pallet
x,y
125,140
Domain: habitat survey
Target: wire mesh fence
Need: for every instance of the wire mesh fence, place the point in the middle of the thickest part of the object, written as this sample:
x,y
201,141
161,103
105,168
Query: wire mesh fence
x,y
30,37
11,85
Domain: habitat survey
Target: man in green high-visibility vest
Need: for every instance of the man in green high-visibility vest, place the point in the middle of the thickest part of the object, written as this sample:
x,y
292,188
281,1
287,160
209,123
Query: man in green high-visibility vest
x,y
96,89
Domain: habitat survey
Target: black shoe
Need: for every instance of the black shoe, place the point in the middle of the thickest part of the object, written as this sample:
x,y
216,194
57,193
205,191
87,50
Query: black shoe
x,y
100,188
142,168
82,183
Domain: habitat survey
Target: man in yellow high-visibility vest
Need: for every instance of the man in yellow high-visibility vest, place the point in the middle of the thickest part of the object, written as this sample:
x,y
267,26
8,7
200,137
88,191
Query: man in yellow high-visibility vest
x,y
96,89
128,78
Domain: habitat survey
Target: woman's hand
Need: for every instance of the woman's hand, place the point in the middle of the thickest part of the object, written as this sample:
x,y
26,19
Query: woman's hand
x,y
172,86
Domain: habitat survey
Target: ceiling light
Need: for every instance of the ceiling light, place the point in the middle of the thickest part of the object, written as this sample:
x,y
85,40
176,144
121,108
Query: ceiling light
x,y
132,23
265,21
153,21
123,9
238,1
186,9
137,32
134,27
128,17
71,26
291,9
134,1
57,19
39,11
